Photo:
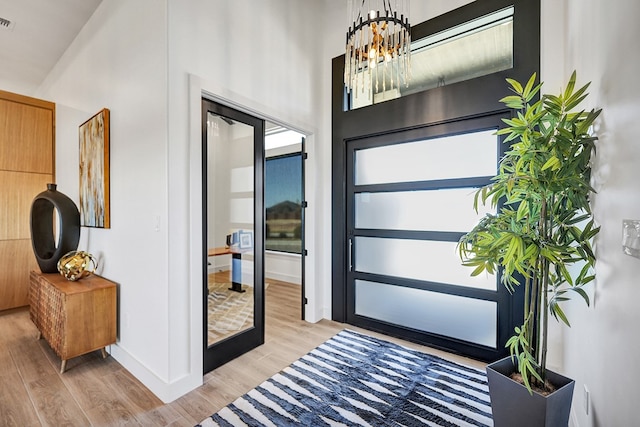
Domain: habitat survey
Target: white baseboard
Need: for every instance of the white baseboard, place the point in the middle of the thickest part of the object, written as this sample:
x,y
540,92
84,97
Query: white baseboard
x,y
165,391
326,312
573,421
217,268
282,277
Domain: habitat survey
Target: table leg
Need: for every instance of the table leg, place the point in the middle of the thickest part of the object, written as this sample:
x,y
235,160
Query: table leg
x,y
236,272
104,353
63,366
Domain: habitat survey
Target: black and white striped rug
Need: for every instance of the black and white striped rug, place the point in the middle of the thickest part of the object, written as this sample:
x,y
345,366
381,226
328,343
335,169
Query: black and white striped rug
x,y
358,380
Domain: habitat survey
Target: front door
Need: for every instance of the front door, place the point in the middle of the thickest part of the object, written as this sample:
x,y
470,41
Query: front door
x,y
233,233
409,200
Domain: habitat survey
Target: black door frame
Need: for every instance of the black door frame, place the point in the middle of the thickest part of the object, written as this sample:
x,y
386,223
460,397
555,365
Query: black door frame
x,y
303,225
230,348
475,98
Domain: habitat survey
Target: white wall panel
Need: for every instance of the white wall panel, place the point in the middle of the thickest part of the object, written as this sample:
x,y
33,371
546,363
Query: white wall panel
x,y
118,61
601,44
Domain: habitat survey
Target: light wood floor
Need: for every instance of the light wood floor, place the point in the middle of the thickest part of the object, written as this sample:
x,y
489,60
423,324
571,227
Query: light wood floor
x,y
99,392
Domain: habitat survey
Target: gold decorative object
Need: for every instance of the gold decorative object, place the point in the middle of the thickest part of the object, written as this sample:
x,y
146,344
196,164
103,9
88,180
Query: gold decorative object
x,y
77,264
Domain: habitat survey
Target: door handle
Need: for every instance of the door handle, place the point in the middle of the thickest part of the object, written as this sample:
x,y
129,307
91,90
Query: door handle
x,y
350,254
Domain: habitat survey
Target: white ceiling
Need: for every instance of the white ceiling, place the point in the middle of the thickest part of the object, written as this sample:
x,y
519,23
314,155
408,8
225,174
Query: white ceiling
x,y
41,31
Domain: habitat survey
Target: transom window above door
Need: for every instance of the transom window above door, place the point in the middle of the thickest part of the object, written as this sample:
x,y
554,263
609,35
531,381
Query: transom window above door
x,y
475,48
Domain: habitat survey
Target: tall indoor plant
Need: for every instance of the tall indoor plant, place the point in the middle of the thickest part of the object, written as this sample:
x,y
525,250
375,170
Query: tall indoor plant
x,y
543,222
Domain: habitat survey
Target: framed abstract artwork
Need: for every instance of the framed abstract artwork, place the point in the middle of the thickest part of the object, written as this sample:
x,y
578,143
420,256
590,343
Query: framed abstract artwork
x,y
94,171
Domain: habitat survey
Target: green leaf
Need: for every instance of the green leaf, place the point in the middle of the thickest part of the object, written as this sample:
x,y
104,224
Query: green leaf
x,y
512,101
571,104
528,86
523,210
558,313
583,294
553,163
577,219
552,101
590,233
565,273
531,252
516,85
584,125
570,85
479,269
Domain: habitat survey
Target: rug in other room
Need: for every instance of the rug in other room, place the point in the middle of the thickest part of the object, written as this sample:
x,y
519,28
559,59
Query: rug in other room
x,y
229,312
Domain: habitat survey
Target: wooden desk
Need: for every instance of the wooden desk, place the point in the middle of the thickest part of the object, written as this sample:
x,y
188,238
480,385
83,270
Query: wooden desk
x,y
74,317
219,251
236,266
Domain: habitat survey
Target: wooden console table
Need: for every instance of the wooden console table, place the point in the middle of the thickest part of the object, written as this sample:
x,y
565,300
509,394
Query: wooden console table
x,y
74,317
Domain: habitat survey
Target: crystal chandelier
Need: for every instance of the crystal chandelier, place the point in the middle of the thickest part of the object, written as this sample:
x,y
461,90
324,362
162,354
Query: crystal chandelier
x,y
378,50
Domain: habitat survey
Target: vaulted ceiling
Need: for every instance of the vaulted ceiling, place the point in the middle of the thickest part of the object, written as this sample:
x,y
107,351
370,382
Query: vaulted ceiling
x,y
36,35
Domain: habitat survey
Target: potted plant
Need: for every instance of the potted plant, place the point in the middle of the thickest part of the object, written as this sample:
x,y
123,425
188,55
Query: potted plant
x,y
542,226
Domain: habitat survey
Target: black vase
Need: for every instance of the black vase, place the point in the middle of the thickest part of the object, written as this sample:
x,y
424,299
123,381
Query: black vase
x,y
47,252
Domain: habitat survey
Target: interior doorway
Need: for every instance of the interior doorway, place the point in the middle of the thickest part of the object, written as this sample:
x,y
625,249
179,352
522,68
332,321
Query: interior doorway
x,y
253,225
285,207
233,233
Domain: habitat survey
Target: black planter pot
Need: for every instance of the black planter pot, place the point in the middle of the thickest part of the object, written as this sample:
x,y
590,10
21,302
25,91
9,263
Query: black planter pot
x,y
512,405
46,250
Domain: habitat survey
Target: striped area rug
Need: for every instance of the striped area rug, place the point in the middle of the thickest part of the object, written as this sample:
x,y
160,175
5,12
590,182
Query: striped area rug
x,y
358,380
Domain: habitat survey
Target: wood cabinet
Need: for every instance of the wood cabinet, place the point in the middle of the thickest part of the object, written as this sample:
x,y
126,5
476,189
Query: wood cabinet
x,y
27,147
74,317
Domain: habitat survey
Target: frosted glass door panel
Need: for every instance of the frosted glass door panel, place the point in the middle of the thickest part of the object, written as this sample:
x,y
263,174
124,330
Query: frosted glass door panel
x,y
458,317
428,210
431,159
426,260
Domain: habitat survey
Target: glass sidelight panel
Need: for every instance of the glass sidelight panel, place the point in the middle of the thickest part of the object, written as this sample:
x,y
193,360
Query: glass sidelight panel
x,y
230,227
454,316
430,159
425,210
434,261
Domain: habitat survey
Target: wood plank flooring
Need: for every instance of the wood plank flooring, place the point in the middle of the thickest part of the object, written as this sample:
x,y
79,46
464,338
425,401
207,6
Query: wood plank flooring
x,y
100,392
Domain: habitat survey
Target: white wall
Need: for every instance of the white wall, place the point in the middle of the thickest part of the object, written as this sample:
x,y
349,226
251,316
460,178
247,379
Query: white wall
x,y
253,55
602,346
17,87
283,266
118,61
598,39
